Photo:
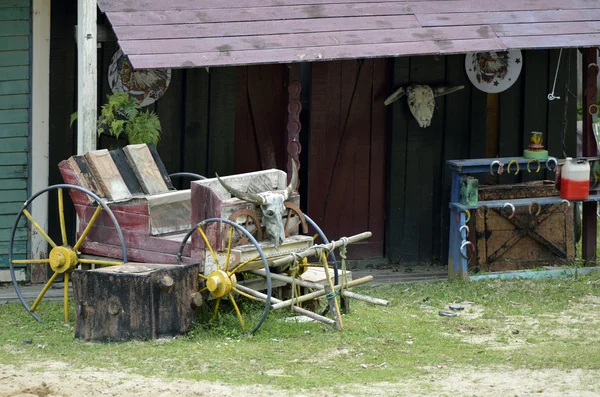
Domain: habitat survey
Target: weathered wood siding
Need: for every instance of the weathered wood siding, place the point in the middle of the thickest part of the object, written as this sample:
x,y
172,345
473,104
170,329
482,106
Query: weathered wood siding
x,y
15,57
419,182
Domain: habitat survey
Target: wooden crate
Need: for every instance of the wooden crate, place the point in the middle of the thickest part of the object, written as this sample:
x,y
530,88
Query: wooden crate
x,y
526,240
134,301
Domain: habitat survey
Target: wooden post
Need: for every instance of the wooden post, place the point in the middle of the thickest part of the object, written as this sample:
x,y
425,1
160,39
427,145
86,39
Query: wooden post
x,y
86,76
590,96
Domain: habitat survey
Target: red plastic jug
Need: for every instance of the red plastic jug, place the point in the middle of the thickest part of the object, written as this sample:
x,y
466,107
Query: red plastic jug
x,y
575,179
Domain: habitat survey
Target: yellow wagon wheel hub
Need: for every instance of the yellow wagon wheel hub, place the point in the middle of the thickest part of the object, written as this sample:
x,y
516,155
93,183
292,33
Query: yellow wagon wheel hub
x,y
219,284
63,259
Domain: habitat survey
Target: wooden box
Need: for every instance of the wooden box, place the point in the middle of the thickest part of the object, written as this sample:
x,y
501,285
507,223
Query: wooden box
x,y
135,301
528,239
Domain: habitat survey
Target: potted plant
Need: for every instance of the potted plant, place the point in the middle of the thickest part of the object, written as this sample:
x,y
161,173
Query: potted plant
x,y
122,114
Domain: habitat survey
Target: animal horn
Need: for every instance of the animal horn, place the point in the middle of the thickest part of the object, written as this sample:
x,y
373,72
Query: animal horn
x,y
441,91
249,197
293,182
399,93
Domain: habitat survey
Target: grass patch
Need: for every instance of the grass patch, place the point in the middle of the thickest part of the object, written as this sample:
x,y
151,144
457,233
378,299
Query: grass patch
x,y
516,323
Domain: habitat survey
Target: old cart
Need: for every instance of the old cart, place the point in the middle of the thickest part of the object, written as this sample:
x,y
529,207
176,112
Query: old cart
x,y
225,239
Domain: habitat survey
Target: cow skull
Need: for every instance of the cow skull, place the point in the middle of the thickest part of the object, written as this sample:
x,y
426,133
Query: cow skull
x,y
271,204
421,100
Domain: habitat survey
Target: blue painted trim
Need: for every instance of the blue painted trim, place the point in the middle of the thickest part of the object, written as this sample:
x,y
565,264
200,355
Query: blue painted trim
x,y
537,275
483,165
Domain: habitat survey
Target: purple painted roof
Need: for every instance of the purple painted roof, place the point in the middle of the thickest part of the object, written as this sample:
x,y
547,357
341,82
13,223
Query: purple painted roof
x,y
192,33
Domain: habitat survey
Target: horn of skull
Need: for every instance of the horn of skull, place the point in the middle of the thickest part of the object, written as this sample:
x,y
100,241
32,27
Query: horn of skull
x,y
271,205
421,100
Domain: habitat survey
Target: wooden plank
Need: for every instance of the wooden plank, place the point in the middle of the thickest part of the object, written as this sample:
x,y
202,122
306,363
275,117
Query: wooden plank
x,y
13,184
18,248
552,41
249,42
543,29
494,18
14,116
14,43
14,58
13,171
149,177
456,6
20,235
14,102
397,194
222,122
14,13
13,145
535,118
19,195
170,112
140,18
195,138
14,130
314,53
151,5
107,175
161,166
14,73
14,28
14,3
127,172
14,87
14,159
254,28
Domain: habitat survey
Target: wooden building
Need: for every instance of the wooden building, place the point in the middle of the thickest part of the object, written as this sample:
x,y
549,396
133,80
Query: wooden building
x,y
364,166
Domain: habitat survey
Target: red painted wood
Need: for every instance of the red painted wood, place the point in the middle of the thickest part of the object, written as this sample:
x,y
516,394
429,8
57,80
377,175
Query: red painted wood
x,y
264,28
541,29
345,182
140,18
70,178
437,7
152,5
226,44
313,53
127,220
489,18
134,255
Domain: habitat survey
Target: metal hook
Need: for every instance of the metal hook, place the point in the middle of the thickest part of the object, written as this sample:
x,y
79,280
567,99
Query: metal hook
x,y
464,227
467,212
500,167
538,163
512,208
463,245
568,203
516,163
539,208
555,161
593,105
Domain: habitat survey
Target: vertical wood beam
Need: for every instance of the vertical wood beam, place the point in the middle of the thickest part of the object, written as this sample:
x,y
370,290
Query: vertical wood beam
x,y
590,97
40,114
87,77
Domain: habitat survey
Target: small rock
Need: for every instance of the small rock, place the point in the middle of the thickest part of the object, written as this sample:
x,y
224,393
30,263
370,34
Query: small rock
x,y
456,307
27,341
515,331
444,313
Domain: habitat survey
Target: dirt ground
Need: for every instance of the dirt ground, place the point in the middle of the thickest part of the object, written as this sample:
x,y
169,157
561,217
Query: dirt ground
x,y
58,379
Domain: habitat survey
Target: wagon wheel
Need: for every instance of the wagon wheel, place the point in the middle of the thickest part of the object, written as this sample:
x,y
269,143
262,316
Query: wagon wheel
x,y
290,228
63,258
221,283
246,218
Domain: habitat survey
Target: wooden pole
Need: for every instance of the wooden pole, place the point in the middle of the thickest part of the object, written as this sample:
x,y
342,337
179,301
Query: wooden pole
x,y
590,96
87,95
297,309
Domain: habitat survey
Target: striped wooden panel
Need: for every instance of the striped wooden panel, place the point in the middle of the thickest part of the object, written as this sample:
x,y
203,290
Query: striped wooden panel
x,y
529,17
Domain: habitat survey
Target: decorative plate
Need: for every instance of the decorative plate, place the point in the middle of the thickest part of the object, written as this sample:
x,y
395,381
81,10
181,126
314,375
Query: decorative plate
x,y
493,71
146,85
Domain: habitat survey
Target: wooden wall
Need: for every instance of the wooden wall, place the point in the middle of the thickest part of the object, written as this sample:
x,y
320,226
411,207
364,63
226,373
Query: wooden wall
x,y
419,181
15,58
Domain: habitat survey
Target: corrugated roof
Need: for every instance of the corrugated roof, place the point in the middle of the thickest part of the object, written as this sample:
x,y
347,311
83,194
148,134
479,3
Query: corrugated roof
x,y
191,33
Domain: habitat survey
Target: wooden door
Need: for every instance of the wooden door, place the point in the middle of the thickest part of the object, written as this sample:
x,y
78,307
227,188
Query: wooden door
x,y
346,167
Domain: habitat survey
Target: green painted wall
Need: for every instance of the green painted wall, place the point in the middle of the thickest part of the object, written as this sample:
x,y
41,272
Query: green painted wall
x,y
15,103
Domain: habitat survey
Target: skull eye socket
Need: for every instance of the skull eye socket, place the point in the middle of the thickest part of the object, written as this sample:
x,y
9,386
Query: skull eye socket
x,y
270,213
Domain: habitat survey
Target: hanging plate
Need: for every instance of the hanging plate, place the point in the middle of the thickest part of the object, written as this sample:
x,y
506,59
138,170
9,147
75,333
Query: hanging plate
x,y
493,71
145,85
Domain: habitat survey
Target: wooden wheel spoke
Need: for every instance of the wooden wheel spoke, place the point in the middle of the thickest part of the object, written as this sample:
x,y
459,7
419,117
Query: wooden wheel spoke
x,y
216,309
202,276
39,228
241,265
203,289
61,214
237,311
212,252
98,262
29,261
292,230
66,297
88,228
43,292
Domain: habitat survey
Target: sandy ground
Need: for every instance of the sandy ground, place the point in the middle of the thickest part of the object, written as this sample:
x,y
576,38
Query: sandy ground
x,y
57,379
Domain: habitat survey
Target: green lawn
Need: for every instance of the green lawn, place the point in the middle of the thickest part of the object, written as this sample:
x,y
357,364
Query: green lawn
x,y
516,323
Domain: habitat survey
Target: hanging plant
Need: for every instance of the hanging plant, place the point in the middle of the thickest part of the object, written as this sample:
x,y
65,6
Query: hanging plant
x,y
121,114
